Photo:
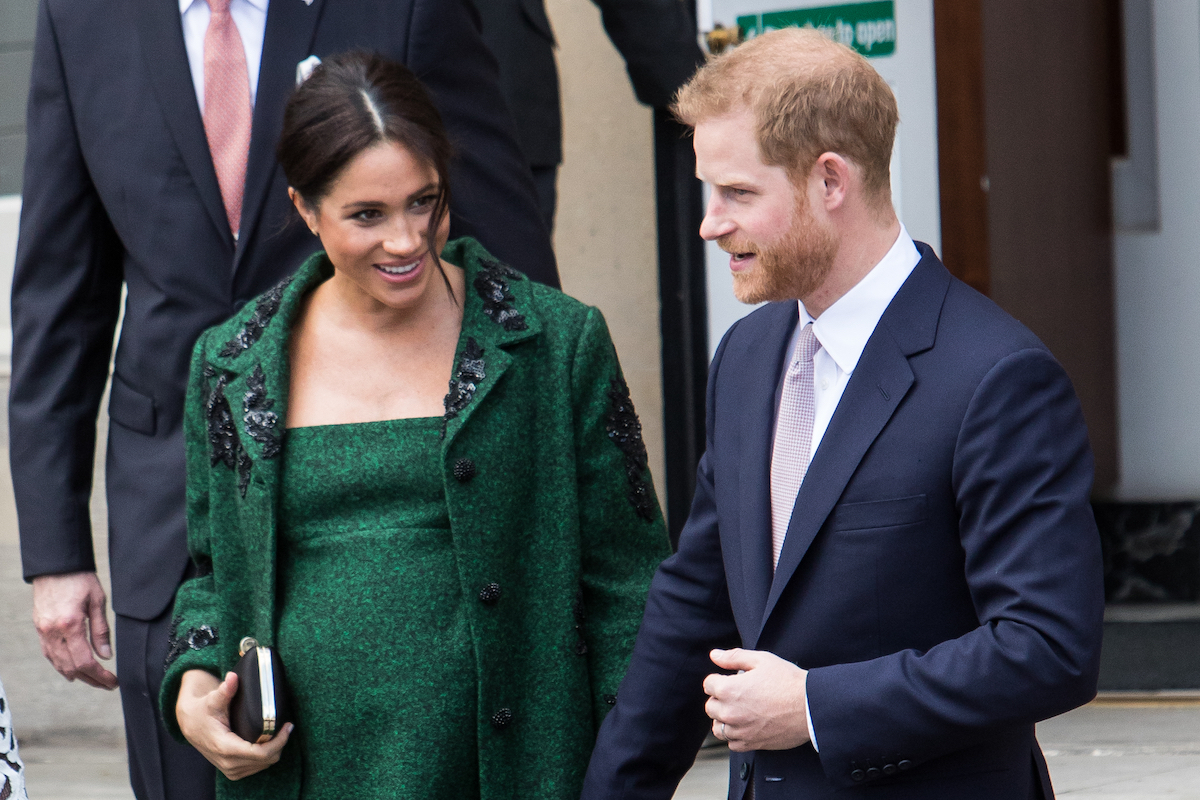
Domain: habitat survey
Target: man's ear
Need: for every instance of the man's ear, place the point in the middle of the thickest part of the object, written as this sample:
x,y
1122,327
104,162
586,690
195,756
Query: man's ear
x,y
834,173
308,214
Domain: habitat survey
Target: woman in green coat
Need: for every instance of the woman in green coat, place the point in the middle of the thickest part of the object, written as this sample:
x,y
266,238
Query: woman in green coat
x,y
453,580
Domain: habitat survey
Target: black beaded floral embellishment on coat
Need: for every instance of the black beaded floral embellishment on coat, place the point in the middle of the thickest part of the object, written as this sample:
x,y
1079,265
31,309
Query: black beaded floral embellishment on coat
x,y
194,639
625,430
226,447
465,381
264,309
222,434
492,284
257,417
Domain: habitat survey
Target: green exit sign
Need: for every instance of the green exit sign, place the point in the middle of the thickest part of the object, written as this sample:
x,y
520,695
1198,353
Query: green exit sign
x,y
870,28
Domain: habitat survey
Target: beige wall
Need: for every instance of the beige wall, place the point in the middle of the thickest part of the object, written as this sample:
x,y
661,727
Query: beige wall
x,y
605,230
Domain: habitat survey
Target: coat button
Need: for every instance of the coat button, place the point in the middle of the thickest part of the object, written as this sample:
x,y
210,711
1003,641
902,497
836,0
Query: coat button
x,y
502,719
490,594
464,470
904,764
745,770
890,769
609,699
873,773
858,776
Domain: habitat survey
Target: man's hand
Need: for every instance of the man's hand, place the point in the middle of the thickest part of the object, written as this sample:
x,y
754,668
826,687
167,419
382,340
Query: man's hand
x,y
203,714
69,614
762,708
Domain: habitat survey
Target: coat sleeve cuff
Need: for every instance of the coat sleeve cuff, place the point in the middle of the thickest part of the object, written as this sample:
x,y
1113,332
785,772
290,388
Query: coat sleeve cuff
x,y
191,649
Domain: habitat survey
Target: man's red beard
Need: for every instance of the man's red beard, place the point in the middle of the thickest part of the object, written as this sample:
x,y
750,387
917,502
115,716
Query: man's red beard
x,y
790,269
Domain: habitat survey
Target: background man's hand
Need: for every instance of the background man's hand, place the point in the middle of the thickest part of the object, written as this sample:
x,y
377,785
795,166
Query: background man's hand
x,y
69,612
762,708
203,714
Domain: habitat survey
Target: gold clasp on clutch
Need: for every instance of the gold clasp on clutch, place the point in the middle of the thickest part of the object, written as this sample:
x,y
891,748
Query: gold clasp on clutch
x,y
246,645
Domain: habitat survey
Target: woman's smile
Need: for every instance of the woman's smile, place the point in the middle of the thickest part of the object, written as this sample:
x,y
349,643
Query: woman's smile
x,y
400,271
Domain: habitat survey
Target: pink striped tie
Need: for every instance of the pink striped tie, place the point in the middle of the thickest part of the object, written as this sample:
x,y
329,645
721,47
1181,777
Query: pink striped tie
x,y
793,437
227,107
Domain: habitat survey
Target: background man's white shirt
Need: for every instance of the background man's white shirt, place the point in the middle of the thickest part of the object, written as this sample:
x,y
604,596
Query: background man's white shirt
x,y
250,17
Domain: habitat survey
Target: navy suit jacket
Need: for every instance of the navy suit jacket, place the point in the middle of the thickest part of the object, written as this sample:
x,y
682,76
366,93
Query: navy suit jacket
x,y
940,579
120,190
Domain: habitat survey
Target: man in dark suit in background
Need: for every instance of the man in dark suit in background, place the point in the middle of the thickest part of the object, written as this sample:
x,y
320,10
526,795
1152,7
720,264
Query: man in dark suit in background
x,y
150,166
657,39
891,523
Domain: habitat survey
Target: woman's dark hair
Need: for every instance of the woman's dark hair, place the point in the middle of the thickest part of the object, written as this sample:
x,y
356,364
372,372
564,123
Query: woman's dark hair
x,y
350,103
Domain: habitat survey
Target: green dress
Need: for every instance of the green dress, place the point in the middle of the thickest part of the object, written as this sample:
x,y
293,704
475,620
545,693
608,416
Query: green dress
x,y
367,572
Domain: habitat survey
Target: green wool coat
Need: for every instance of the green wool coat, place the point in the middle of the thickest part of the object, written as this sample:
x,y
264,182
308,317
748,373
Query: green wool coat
x,y
550,502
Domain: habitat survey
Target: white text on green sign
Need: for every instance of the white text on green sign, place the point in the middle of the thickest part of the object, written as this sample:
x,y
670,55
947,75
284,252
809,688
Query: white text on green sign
x,y
870,28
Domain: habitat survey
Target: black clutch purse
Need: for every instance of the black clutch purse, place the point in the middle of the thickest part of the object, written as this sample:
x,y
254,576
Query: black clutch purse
x,y
262,704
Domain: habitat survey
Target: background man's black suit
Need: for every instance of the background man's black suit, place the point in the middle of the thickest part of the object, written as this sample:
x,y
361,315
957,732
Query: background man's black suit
x,y
120,190
657,39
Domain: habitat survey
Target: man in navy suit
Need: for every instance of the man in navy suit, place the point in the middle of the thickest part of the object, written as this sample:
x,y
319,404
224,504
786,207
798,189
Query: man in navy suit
x,y
121,191
891,570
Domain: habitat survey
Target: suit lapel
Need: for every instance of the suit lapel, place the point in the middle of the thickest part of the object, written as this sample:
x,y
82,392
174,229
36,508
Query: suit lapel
x,y
291,26
879,384
754,485
161,34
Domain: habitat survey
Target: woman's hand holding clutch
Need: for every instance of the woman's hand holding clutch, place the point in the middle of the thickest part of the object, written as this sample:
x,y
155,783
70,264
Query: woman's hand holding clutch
x,y
203,714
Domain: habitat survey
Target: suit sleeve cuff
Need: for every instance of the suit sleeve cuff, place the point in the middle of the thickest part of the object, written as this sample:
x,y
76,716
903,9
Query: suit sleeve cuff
x,y
812,734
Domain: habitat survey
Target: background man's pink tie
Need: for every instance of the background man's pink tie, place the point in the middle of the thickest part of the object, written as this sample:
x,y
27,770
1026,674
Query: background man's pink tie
x,y
227,110
793,437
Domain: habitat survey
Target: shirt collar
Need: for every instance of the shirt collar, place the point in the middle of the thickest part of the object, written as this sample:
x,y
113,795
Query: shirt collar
x,y
184,5
845,327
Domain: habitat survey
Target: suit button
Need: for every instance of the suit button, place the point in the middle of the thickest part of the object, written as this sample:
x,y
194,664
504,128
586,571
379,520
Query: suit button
x,y
502,719
873,773
745,770
904,764
464,470
858,776
890,769
490,594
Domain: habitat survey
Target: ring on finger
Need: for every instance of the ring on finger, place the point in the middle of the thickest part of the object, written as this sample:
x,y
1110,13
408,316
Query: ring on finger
x,y
724,735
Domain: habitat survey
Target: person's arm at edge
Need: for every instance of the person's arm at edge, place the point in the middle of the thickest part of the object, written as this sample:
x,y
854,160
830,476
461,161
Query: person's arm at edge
x,y
623,535
659,42
65,302
197,607
650,738
1034,571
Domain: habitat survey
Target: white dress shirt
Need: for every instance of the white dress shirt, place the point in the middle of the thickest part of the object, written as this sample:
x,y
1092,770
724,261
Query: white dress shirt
x,y
250,17
843,331
845,327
